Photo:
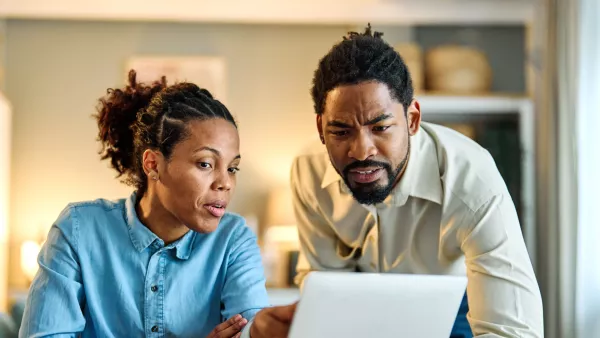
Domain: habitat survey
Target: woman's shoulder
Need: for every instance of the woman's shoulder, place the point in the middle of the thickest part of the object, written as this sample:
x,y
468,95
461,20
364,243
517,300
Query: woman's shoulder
x,y
235,228
76,214
95,207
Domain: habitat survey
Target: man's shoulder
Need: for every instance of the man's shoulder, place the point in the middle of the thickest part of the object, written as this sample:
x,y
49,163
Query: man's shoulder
x,y
467,169
310,164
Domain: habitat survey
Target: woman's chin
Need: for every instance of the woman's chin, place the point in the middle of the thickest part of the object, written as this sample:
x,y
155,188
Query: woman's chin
x,y
205,226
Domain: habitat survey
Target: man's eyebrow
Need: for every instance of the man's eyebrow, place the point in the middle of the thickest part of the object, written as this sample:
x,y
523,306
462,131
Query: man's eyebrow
x,y
378,119
338,124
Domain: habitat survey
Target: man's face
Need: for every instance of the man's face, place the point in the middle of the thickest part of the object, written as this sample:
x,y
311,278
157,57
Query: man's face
x,y
366,132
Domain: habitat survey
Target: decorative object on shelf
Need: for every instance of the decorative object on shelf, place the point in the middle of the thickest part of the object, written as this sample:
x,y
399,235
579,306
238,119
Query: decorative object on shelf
x,y
412,55
208,72
454,69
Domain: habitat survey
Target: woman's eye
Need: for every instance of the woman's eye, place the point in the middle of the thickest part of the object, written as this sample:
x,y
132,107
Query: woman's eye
x,y
234,170
204,165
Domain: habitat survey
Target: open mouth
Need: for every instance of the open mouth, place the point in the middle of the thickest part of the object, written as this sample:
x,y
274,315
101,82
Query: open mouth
x,y
365,175
216,209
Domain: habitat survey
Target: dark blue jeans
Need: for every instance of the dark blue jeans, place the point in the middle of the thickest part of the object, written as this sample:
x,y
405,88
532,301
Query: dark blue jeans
x,y
461,328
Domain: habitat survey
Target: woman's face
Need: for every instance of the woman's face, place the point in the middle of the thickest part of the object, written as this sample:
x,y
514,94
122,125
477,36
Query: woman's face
x,y
197,182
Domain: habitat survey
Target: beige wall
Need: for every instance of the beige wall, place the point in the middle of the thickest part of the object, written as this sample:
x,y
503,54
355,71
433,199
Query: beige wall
x,y
57,69
5,138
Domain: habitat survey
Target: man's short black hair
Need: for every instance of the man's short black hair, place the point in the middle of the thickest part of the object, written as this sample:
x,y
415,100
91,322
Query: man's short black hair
x,y
362,57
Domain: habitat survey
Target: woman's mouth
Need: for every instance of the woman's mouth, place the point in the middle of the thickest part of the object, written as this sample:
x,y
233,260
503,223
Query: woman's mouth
x,y
217,209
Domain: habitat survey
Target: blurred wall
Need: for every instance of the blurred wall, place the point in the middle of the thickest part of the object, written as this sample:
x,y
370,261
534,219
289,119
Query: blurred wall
x,y
56,70
5,138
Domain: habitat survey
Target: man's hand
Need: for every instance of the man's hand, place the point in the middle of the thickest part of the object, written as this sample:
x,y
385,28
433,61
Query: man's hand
x,y
229,329
273,322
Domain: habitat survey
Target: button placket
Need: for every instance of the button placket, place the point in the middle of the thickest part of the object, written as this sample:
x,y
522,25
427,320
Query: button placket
x,y
153,294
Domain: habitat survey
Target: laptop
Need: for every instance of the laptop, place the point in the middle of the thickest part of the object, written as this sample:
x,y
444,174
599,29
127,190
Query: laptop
x,y
360,305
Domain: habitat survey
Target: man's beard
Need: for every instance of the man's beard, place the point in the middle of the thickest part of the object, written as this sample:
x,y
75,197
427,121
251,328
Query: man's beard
x,y
373,193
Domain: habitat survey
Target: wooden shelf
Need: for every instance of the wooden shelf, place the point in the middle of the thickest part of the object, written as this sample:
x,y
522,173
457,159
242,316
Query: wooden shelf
x,y
452,104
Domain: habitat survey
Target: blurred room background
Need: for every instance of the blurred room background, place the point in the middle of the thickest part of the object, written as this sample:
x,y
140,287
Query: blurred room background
x,y
518,76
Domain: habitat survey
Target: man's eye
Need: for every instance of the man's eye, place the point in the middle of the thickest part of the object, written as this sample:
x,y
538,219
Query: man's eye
x,y
380,128
234,170
339,133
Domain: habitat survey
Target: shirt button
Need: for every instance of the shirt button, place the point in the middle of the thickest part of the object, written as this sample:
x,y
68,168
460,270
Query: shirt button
x,y
154,328
154,288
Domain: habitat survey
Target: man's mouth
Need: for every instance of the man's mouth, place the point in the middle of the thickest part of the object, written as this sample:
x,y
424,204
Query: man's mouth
x,y
366,175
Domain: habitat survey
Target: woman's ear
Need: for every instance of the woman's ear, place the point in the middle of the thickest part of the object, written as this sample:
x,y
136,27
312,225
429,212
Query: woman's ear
x,y
151,161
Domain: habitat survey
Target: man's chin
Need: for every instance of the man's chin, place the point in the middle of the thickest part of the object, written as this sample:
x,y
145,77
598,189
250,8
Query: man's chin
x,y
368,194
375,185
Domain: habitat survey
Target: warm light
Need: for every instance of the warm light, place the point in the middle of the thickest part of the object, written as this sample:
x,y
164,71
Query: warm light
x,y
287,234
280,210
5,145
29,253
280,236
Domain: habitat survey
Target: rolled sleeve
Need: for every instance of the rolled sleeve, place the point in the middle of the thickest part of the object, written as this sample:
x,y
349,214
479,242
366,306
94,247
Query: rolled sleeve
x,y
244,291
56,297
504,297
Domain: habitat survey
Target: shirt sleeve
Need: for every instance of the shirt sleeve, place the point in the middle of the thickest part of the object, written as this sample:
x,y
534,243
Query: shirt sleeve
x,y
318,241
244,291
55,300
504,297
246,330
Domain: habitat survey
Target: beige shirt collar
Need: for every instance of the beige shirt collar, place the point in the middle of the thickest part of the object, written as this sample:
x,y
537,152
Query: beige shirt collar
x,y
421,178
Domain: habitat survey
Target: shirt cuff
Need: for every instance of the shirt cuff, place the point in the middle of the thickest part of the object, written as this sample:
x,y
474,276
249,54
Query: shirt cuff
x,y
246,330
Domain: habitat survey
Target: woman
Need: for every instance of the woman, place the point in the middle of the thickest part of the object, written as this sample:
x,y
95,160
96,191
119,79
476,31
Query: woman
x,y
168,261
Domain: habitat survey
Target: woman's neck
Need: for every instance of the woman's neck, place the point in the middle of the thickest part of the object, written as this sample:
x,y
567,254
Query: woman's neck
x,y
159,220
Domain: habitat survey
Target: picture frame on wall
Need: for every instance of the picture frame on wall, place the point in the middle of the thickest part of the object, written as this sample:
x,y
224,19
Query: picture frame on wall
x,y
207,72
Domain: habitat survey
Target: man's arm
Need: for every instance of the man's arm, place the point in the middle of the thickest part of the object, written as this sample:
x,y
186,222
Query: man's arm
x,y
318,241
56,296
504,297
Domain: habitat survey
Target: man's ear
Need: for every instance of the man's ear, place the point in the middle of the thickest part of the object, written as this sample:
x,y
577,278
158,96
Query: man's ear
x,y
320,128
413,117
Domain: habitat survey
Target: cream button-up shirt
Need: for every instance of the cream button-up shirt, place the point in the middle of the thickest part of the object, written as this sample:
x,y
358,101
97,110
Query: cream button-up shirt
x,y
450,214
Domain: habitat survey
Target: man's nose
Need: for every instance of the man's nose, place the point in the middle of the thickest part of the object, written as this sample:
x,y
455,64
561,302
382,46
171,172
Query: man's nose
x,y
362,147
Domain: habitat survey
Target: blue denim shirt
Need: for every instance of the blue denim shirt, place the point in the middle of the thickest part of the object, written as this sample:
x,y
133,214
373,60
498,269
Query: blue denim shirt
x,y
104,274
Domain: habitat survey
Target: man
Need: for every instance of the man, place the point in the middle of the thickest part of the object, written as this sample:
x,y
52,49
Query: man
x,y
395,195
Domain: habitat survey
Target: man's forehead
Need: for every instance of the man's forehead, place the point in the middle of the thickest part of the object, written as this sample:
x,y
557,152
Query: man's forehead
x,y
360,100
363,114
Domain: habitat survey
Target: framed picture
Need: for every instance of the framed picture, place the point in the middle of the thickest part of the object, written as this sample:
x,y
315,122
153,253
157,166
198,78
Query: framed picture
x,y
208,72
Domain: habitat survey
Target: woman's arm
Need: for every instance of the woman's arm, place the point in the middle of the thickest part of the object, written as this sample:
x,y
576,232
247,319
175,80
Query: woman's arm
x,y
244,291
55,301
